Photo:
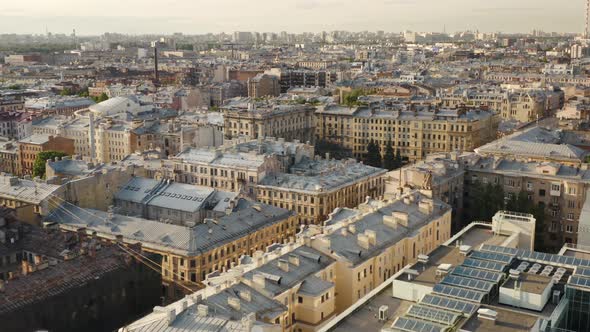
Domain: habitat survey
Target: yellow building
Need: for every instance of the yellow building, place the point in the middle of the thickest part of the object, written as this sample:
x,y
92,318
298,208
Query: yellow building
x,y
375,241
189,254
314,188
413,132
246,117
520,105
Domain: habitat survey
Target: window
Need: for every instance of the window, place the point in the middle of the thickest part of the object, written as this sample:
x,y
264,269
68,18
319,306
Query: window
x,y
570,216
542,192
569,229
300,299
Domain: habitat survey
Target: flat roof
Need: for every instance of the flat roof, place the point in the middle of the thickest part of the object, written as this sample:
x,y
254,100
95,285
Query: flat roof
x,y
530,283
506,321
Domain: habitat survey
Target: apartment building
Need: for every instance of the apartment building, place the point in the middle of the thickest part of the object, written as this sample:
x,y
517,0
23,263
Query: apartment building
x,y
378,239
315,187
306,284
521,105
189,254
442,173
170,202
29,199
561,190
414,132
11,104
292,78
263,85
536,144
30,147
246,117
8,156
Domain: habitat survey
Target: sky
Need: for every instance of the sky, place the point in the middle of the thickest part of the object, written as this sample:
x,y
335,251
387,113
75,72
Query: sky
x,y
93,17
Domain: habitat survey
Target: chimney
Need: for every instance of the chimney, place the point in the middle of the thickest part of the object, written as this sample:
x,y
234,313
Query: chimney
x,y
401,218
246,296
425,206
352,228
171,316
363,241
343,231
283,265
294,259
259,280
202,310
372,236
234,303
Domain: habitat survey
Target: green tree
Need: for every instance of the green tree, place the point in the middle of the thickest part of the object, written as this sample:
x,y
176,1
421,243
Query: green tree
x,y
373,155
485,200
389,161
398,159
65,92
42,157
101,98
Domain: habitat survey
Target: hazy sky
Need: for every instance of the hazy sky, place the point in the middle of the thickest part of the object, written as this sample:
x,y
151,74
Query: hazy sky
x,y
201,16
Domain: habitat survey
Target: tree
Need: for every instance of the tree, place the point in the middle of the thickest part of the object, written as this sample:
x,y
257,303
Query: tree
x,y
398,159
486,200
42,157
65,92
101,98
389,161
373,155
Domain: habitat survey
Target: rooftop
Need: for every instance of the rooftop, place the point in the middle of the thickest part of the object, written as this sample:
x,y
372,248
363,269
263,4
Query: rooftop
x,y
535,142
246,218
28,191
321,175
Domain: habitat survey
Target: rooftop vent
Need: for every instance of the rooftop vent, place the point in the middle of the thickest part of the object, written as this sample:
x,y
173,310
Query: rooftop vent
x,y
423,259
487,316
443,269
294,259
514,274
465,250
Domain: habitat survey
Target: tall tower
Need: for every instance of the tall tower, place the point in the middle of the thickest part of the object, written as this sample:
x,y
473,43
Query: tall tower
x,y
587,26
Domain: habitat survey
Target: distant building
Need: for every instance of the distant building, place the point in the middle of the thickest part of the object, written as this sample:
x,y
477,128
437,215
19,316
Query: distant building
x,y
263,86
414,131
247,117
30,147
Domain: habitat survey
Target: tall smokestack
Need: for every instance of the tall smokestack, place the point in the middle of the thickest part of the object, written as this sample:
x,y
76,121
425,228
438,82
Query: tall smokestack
x,y
157,74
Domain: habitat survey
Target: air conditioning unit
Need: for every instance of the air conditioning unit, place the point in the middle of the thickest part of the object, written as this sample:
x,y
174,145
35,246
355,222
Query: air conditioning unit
x,y
383,311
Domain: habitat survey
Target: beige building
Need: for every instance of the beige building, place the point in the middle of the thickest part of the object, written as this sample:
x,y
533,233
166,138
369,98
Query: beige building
x,y
29,199
245,117
304,285
415,133
537,144
263,85
314,188
560,189
521,104
189,254
236,166
378,239
442,173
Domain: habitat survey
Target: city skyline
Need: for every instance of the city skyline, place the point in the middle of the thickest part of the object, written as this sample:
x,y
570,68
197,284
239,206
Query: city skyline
x,y
134,17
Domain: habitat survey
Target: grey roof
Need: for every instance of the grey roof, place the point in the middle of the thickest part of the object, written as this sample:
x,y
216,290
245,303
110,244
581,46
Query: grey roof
x,y
347,247
247,217
534,142
264,307
35,139
166,194
311,261
533,169
25,190
315,286
321,175
71,167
